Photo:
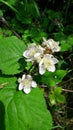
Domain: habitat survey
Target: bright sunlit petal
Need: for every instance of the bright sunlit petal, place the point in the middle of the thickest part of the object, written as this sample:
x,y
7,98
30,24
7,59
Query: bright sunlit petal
x,y
51,68
34,85
20,87
27,89
23,77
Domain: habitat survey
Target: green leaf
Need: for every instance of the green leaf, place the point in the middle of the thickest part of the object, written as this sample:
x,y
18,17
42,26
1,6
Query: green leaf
x,y
9,4
48,79
22,111
57,90
1,33
58,96
59,75
67,44
52,99
51,79
11,50
36,8
64,46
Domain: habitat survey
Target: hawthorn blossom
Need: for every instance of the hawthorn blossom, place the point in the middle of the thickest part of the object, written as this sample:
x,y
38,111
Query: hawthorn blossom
x,y
33,52
26,83
47,63
51,44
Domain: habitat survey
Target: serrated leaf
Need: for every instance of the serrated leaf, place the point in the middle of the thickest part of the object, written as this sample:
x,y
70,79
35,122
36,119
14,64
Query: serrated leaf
x,y
22,111
11,50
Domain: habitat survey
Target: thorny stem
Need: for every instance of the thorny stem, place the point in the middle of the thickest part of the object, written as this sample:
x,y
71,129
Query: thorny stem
x,y
3,20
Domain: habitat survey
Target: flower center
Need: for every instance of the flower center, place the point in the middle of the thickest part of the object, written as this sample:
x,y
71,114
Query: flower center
x,y
33,52
27,82
47,63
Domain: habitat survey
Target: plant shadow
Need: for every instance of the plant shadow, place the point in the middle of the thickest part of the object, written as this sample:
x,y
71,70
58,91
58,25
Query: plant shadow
x,y
2,116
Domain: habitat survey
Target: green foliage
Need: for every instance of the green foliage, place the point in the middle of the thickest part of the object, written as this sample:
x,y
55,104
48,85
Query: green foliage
x,y
11,50
30,35
1,35
51,79
56,96
9,4
59,75
1,13
24,111
31,20
23,10
67,44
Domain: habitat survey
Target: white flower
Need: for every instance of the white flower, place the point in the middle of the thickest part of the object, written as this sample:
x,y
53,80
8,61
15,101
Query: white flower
x,y
33,52
47,63
54,45
51,44
26,83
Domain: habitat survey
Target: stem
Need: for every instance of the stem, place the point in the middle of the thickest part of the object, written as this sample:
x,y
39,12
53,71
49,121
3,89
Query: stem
x,y
67,90
66,81
2,19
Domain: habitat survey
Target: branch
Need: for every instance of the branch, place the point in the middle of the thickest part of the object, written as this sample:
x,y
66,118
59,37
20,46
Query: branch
x,y
2,19
67,90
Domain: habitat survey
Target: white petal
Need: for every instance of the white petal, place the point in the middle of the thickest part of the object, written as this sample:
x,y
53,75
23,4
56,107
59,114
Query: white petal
x,y
29,77
27,90
28,60
51,68
47,56
58,49
25,54
19,80
55,60
23,77
40,49
34,85
51,43
41,70
36,55
20,87
41,67
41,62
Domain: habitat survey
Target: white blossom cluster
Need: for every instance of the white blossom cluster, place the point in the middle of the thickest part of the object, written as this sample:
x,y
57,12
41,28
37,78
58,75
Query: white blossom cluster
x,y
43,56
